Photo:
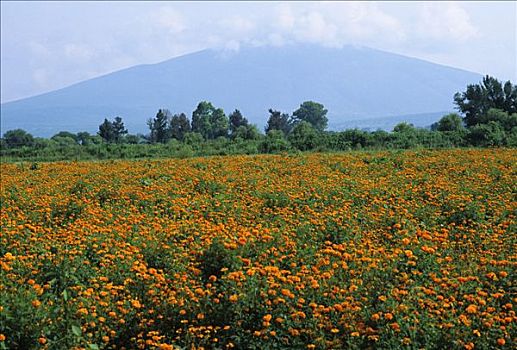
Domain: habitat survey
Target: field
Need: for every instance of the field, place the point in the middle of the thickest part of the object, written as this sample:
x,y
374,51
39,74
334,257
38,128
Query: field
x,y
388,250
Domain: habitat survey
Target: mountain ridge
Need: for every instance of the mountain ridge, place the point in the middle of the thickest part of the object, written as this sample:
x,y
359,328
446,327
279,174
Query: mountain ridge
x,y
353,83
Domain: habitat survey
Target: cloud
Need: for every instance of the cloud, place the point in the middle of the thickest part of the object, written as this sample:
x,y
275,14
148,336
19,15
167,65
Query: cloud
x,y
337,23
170,19
445,21
79,52
39,50
41,77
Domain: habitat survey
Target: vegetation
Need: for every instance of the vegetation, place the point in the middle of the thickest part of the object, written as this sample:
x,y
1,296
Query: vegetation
x,y
489,120
361,250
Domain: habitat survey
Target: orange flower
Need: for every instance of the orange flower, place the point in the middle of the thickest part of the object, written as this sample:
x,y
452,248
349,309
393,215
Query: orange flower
x,y
472,309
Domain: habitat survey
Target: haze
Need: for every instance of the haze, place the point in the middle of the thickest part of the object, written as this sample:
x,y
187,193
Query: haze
x,y
50,45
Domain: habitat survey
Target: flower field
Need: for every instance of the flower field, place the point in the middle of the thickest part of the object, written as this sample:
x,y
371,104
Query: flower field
x,y
387,250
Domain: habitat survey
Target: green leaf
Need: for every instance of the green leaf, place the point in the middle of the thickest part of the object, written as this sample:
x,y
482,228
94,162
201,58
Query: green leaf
x,y
77,331
93,346
65,295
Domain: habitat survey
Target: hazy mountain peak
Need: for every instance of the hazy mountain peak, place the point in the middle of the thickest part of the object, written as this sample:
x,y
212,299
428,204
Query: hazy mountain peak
x,y
352,82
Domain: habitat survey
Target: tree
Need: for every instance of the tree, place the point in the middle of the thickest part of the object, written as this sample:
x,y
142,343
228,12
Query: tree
x,y
18,138
303,136
236,121
404,127
449,122
312,112
278,121
274,142
478,99
84,138
159,127
218,124
118,129
67,134
489,134
201,118
106,131
112,132
506,120
246,132
179,126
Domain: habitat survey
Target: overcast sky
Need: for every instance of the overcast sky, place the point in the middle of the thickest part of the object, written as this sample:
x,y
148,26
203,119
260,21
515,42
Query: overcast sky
x,y
49,45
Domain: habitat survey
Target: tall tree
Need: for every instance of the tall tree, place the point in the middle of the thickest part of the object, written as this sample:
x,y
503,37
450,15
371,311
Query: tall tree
x,y
201,118
159,127
218,124
478,99
112,131
313,113
106,131
278,121
179,126
119,129
236,120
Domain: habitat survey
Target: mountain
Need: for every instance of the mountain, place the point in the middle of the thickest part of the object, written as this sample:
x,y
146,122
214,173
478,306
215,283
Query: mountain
x,y
354,83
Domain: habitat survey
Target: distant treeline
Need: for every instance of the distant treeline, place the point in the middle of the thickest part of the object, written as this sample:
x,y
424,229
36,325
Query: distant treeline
x,y
488,118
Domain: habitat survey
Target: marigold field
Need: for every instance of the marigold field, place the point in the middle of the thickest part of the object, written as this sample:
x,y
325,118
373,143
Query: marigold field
x,y
387,250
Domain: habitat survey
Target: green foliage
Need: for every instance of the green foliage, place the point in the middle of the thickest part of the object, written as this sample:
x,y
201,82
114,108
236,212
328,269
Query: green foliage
x,y
278,121
303,136
18,138
159,127
313,113
478,99
214,259
236,121
487,135
209,121
179,126
274,142
507,121
112,132
246,132
449,122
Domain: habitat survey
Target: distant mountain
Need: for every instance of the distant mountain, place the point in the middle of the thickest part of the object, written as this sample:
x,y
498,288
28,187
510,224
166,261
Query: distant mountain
x,y
354,83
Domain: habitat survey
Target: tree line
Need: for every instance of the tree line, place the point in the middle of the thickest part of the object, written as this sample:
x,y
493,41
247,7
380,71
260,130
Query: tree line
x,y
487,117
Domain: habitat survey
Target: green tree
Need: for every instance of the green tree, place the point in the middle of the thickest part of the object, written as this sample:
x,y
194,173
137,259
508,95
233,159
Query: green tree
x,y
303,136
236,120
201,118
159,127
486,135
18,138
84,138
218,124
278,121
404,127
179,126
118,129
274,142
478,99
112,132
67,134
313,113
246,132
449,122
506,120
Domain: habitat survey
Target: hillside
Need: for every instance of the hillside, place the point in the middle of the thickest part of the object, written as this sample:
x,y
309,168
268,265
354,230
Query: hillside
x,y
354,83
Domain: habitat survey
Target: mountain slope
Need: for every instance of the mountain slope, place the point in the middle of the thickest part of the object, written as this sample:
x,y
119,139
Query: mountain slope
x,y
352,83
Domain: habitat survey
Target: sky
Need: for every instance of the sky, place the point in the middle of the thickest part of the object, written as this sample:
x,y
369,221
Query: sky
x,y
49,45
